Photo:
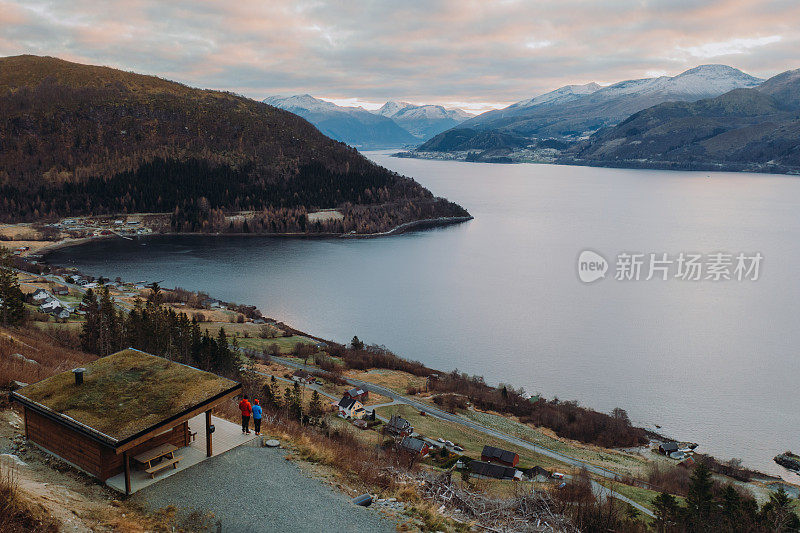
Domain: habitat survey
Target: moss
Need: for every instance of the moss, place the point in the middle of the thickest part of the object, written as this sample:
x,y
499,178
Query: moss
x,y
127,392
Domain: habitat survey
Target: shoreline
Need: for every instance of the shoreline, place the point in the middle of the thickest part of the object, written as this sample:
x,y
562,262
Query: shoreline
x,y
428,223
743,168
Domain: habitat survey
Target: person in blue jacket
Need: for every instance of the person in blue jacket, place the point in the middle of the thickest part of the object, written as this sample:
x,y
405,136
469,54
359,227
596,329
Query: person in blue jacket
x,y
257,416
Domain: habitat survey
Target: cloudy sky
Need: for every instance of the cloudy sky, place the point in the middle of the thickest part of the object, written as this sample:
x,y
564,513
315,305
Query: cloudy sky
x,y
474,54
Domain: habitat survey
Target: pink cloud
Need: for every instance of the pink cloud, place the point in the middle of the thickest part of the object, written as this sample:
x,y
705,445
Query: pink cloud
x,y
474,52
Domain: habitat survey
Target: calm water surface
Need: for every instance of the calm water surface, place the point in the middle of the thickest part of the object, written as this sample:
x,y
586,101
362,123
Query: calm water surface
x,y
715,363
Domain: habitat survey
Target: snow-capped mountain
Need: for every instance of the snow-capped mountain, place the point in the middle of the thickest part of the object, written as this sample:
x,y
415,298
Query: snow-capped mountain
x,y
352,125
705,81
391,108
578,110
561,95
304,102
423,121
742,129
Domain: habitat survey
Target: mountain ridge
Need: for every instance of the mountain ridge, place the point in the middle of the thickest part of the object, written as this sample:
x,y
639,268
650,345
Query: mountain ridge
x,y
423,121
756,129
394,124
84,139
351,125
575,112
587,111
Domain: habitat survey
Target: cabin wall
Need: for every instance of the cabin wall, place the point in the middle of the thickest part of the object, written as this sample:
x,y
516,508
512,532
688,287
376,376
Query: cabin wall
x,y
64,442
92,457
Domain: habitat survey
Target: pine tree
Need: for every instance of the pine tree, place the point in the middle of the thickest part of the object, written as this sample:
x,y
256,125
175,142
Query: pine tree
x,y
225,360
777,513
268,396
665,507
293,402
315,407
700,499
110,334
90,335
12,307
356,343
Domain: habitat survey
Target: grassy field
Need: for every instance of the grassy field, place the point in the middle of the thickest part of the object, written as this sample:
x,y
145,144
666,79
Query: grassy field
x,y
392,379
642,496
286,344
625,463
471,440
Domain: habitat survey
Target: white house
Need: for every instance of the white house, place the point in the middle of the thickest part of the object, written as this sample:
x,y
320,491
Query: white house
x,y
350,408
50,304
41,295
60,312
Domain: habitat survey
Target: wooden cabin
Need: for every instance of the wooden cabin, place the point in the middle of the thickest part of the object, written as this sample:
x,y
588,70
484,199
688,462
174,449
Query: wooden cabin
x,y
357,393
398,427
490,454
496,471
120,406
414,446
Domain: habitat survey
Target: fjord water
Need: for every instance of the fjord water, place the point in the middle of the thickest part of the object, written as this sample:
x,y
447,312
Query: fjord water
x,y
711,362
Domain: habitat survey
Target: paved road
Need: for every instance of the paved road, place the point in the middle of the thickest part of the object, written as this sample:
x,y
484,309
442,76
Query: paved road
x,y
450,417
253,489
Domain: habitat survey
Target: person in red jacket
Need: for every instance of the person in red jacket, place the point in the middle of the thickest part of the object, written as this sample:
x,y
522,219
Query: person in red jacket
x,y
247,410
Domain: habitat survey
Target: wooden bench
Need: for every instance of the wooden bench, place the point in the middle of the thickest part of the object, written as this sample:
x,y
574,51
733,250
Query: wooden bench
x,y
162,465
164,454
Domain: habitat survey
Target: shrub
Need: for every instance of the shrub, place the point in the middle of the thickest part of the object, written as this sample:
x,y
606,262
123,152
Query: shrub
x,y
450,402
567,419
377,357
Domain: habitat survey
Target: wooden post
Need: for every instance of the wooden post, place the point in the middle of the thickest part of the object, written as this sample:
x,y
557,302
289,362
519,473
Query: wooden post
x,y
208,433
127,462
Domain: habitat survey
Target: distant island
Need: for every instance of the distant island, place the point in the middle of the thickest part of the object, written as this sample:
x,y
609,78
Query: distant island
x,y
82,140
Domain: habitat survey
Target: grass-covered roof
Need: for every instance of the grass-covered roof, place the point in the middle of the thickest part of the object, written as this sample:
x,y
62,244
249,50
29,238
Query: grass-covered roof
x,y
127,392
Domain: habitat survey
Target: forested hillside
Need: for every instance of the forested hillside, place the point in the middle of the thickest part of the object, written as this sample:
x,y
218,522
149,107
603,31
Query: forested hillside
x,y
78,140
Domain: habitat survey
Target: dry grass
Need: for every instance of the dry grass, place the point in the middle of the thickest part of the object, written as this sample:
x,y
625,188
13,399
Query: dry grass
x,y
623,462
324,215
16,514
127,392
45,357
393,379
471,440
366,467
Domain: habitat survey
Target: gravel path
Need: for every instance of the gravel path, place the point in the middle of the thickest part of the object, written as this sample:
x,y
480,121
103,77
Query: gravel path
x,y
253,489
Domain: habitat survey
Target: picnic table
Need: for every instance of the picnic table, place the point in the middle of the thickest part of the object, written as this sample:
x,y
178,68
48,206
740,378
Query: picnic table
x,y
158,458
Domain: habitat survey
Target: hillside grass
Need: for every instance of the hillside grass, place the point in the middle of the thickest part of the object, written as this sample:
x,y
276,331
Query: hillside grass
x,y
392,379
622,462
472,441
